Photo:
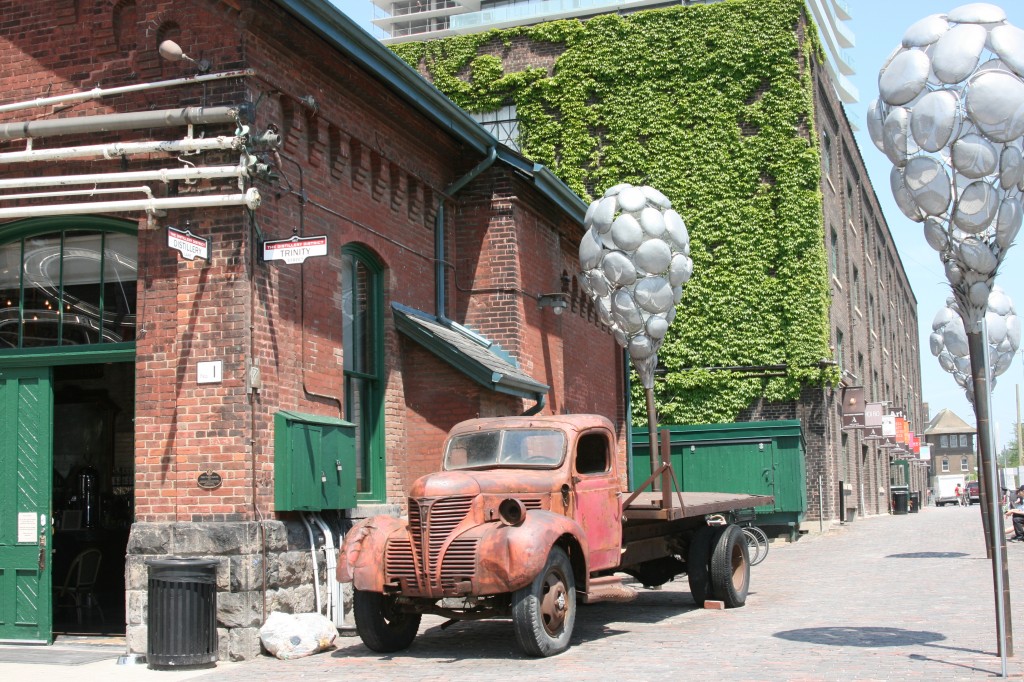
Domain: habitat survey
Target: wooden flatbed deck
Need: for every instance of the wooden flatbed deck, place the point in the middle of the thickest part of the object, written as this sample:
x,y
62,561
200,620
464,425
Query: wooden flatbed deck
x,y
649,505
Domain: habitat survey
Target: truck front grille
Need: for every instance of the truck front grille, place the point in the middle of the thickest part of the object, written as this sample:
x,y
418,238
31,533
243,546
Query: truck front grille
x,y
399,561
431,522
459,562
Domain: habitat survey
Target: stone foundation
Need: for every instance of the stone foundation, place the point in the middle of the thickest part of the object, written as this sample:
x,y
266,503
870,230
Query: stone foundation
x,y
249,587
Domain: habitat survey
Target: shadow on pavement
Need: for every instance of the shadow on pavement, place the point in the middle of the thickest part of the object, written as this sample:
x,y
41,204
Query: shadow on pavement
x,y
496,639
928,555
861,636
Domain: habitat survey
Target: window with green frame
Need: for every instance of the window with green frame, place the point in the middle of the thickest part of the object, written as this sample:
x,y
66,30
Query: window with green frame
x,y
362,303
68,282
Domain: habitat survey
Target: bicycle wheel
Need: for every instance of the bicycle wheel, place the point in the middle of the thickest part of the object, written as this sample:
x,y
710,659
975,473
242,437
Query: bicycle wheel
x,y
757,544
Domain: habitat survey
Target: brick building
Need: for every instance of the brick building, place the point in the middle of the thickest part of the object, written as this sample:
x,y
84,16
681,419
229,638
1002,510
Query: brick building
x,y
152,393
872,311
952,446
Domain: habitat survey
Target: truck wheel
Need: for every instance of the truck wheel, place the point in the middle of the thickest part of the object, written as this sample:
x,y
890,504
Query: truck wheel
x,y
544,612
730,568
381,627
698,563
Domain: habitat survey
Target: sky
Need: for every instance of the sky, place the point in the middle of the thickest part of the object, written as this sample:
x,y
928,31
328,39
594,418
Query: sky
x,y
878,27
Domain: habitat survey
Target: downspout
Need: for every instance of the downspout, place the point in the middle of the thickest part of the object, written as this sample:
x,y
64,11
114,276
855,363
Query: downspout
x,y
439,236
440,278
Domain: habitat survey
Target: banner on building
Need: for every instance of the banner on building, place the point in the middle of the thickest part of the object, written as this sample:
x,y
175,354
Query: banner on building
x,y
853,407
873,421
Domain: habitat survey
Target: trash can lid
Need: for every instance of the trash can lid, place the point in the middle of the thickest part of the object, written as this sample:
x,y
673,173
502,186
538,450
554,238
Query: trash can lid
x,y
182,562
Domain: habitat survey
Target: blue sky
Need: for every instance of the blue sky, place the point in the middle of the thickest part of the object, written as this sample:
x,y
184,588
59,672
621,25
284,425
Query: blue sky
x,y
879,26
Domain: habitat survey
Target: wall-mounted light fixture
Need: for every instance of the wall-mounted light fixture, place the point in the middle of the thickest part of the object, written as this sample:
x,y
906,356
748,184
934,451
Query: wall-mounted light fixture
x,y
172,52
557,302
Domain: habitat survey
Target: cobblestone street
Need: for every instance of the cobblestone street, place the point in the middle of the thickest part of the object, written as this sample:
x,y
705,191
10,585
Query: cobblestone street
x,y
857,604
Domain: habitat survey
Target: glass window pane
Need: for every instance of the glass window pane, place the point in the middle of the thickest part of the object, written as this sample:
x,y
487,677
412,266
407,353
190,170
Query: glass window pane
x,y
42,267
10,294
355,411
356,317
120,273
82,276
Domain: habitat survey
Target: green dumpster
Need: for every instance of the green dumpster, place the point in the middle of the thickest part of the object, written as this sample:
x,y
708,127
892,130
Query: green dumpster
x,y
758,458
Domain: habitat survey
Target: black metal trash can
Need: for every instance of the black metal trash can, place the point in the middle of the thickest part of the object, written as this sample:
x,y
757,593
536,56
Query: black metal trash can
x,y
182,623
900,500
915,502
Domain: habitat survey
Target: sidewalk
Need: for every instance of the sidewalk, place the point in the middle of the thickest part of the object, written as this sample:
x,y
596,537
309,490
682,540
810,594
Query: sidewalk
x,y
884,598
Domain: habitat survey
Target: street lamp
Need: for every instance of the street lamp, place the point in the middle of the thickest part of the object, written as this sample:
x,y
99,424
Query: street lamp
x,y
949,119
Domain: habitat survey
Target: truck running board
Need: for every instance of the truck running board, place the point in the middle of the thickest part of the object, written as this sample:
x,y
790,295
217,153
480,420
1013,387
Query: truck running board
x,y
608,588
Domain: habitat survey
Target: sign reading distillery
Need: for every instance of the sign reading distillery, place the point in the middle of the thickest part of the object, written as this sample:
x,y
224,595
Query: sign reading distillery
x,y
187,244
296,249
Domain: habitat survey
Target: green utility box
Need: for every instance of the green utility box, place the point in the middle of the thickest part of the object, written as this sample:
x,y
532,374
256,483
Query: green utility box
x,y
758,458
314,462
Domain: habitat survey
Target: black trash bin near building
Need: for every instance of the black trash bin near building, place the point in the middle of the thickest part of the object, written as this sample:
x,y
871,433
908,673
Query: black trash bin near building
x,y
182,622
900,501
915,502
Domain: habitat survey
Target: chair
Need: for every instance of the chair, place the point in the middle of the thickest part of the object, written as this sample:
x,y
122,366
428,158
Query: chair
x,y
79,588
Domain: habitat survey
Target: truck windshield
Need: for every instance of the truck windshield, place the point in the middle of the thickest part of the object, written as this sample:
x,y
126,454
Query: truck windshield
x,y
512,448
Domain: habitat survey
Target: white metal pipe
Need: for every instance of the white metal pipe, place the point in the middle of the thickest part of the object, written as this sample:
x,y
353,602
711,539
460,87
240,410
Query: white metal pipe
x,y
118,149
98,92
160,118
164,175
250,199
316,567
335,600
79,192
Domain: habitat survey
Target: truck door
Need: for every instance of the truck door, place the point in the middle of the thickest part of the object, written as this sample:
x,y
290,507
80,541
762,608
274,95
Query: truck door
x,y
597,499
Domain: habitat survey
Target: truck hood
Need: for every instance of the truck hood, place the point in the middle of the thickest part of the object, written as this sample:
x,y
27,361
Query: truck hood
x,y
498,481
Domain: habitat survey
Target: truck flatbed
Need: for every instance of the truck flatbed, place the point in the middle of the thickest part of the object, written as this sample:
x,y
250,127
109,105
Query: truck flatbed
x,y
650,505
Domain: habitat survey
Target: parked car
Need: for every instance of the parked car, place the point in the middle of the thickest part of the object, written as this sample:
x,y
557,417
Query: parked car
x,y
973,492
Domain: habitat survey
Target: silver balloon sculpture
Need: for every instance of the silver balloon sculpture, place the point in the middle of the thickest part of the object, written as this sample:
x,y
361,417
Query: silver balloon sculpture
x,y
948,340
635,259
950,116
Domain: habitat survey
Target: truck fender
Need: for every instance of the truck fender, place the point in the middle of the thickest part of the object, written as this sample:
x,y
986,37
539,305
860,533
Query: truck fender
x,y
512,556
361,557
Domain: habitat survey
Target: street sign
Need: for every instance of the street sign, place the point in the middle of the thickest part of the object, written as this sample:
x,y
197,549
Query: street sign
x,y
296,249
187,244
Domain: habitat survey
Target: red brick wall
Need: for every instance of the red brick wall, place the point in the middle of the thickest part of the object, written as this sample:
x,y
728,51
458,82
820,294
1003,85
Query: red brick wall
x,y
360,166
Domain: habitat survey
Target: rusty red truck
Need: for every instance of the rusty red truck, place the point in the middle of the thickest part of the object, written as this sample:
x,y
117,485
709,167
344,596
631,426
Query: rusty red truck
x,y
527,517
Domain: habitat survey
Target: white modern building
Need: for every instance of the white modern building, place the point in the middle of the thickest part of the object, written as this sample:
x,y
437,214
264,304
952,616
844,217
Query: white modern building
x,y
405,20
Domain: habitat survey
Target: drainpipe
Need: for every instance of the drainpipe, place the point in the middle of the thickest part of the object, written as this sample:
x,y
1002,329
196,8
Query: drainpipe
x,y
541,400
439,253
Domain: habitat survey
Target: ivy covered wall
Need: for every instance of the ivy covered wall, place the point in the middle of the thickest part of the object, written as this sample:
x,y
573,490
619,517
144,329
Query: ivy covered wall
x,y
712,105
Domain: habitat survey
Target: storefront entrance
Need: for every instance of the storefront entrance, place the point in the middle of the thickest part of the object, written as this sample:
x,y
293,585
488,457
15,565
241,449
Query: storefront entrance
x,y
67,408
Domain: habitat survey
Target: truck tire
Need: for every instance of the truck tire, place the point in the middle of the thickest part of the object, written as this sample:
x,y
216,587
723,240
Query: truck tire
x,y
730,568
544,612
698,563
381,627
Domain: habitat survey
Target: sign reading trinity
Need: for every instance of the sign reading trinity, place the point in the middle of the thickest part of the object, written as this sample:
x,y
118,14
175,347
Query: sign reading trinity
x,y
296,249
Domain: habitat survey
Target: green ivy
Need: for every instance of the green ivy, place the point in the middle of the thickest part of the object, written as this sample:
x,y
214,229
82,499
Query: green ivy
x,y
713,105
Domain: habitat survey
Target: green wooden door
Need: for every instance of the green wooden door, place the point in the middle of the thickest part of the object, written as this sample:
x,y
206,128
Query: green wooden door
x,y
26,472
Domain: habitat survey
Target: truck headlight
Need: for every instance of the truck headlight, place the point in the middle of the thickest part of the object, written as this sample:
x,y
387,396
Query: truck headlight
x,y
511,511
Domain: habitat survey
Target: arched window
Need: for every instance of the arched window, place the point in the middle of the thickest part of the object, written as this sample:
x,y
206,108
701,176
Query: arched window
x,y
68,282
362,338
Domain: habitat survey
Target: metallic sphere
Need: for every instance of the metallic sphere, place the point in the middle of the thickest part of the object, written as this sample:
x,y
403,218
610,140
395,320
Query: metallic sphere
x,y
635,259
